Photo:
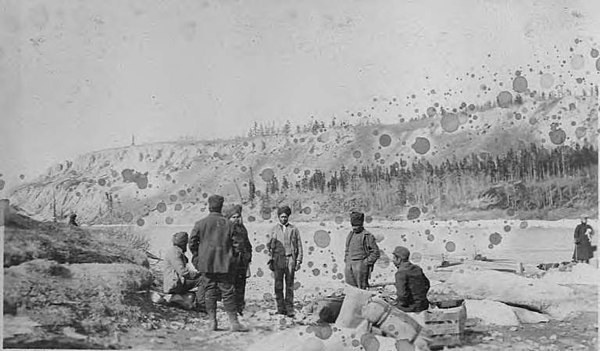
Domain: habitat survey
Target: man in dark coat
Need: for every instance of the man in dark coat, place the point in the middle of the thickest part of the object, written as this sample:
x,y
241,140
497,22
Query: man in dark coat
x,y
285,250
583,247
212,249
242,250
411,283
361,253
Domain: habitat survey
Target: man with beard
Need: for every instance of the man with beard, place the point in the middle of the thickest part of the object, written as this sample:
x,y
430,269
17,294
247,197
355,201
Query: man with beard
x,y
411,283
361,253
285,250
212,249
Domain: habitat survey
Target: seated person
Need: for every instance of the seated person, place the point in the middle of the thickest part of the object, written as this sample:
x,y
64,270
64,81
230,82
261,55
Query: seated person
x,y
177,278
411,284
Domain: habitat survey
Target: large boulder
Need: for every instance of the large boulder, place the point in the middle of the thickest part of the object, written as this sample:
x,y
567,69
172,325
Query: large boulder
x,y
535,294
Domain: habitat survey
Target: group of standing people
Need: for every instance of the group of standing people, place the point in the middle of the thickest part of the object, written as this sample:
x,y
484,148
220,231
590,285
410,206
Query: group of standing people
x,y
221,254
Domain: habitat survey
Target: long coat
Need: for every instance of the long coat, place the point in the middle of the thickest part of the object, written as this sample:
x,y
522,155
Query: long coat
x,y
211,244
583,247
242,247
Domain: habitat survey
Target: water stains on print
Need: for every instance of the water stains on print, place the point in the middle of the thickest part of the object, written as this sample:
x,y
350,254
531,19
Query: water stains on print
x,y
267,174
161,207
495,239
322,238
413,213
520,84
421,145
385,140
504,99
450,122
577,62
131,176
557,135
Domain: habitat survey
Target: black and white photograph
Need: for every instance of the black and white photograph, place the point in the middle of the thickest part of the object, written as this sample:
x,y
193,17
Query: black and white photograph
x,y
308,175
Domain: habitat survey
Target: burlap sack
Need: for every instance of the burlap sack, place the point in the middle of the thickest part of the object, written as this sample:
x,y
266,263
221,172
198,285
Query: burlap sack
x,y
350,314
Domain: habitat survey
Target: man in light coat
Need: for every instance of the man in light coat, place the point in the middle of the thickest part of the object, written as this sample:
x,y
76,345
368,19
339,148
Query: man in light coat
x,y
285,249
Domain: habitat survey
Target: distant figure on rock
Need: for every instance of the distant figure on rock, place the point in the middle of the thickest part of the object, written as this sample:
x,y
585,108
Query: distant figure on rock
x,y
212,249
177,278
73,220
285,249
242,251
361,253
583,246
411,283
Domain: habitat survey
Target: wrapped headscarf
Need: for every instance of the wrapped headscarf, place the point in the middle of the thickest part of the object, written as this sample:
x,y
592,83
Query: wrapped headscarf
x,y
231,210
180,238
284,209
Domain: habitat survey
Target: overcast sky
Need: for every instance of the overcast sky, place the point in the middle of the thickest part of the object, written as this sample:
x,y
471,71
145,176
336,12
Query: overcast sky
x,y
79,76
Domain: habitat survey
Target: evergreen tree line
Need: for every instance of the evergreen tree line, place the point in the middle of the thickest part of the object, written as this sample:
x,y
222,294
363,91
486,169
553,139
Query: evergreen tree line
x,y
520,179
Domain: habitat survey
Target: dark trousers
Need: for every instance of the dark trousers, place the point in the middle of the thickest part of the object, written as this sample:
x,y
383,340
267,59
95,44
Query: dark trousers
x,y
357,274
215,284
285,267
186,286
239,285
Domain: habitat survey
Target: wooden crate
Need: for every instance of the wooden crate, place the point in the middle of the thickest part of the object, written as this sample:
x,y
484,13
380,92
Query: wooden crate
x,y
445,326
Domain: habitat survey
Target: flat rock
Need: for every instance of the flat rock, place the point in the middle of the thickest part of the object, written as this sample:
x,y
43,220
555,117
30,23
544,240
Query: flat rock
x,y
491,312
526,316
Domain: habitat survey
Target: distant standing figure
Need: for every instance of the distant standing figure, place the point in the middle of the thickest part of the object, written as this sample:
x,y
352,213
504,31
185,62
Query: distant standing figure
x,y
212,249
285,249
583,247
242,251
177,278
361,253
73,220
411,283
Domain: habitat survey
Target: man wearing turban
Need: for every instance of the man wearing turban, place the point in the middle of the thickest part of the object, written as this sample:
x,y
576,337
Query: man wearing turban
x,y
242,249
211,245
285,249
361,253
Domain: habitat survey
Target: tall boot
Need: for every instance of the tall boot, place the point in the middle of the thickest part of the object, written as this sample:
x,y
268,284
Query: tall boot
x,y
212,318
235,323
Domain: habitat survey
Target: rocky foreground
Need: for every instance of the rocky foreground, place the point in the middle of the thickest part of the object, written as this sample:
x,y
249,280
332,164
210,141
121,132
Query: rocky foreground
x,y
66,287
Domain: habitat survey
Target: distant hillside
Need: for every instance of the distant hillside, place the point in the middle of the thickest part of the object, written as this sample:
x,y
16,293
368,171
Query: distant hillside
x,y
535,157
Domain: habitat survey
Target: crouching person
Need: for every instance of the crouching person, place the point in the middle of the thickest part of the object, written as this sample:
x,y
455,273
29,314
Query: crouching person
x,y
177,278
411,283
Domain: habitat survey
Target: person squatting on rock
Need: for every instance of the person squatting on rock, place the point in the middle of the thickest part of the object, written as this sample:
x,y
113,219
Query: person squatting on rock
x,y
411,283
285,251
583,246
242,249
212,249
361,253
177,278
